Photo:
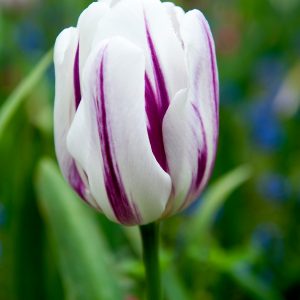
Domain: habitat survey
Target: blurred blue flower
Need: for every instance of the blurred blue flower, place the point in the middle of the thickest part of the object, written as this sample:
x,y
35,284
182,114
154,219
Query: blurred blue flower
x,y
30,37
268,238
269,72
274,187
266,128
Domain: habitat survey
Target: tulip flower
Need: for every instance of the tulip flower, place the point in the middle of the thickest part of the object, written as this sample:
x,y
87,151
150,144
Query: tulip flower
x,y
136,113
136,108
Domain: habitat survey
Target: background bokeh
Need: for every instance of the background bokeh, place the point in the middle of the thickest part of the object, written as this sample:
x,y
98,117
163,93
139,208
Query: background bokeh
x,y
249,245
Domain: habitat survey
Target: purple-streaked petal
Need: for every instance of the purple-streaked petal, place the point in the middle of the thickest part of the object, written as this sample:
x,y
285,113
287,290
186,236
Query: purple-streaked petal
x,y
64,105
191,124
132,187
76,79
127,19
157,103
167,45
87,25
167,75
67,99
204,84
148,25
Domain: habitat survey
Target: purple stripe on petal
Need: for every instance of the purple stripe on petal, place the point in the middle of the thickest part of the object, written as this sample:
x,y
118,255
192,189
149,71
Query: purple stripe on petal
x,y
215,89
76,79
157,103
76,181
155,119
198,176
202,154
124,212
161,89
213,67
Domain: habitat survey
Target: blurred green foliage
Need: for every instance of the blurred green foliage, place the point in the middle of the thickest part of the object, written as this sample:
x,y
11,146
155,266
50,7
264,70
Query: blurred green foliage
x,y
240,240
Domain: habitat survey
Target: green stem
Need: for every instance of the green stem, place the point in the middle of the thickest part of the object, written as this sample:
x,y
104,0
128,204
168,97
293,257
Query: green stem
x,y
150,240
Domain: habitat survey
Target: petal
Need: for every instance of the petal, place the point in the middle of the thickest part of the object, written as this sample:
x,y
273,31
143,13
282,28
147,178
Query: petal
x,y
176,14
148,25
80,135
110,3
131,19
200,55
190,126
166,44
64,107
87,25
124,176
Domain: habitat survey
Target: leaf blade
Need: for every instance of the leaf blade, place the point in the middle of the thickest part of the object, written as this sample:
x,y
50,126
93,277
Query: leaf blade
x,y
14,101
83,255
214,198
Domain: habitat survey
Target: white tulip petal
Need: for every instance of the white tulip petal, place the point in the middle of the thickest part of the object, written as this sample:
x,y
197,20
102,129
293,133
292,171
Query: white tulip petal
x,y
190,126
147,24
81,135
87,25
110,3
132,187
64,108
64,105
167,46
135,20
176,15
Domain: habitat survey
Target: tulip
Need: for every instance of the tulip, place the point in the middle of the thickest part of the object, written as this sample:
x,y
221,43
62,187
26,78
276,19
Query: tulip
x,y
136,108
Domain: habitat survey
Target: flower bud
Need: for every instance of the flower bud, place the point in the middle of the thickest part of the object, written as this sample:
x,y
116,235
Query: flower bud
x,y
136,108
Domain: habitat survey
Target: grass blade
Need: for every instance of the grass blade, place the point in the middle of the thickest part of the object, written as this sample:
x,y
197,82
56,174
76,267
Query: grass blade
x,y
14,101
84,259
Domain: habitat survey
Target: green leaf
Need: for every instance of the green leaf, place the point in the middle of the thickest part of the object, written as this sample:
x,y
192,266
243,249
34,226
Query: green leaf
x,y
213,199
238,264
14,101
85,262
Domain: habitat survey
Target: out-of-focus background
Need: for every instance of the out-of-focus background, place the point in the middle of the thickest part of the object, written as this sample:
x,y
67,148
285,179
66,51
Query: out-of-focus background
x,y
244,245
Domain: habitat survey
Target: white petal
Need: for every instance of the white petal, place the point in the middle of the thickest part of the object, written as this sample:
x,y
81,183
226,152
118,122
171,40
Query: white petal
x,y
81,135
176,14
147,24
179,150
64,109
120,124
167,45
87,25
129,19
191,124
64,105
111,3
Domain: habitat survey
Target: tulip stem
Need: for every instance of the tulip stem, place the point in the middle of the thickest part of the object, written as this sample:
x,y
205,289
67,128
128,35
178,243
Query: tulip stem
x,y
150,241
